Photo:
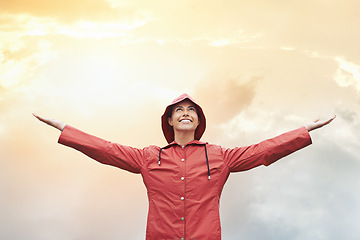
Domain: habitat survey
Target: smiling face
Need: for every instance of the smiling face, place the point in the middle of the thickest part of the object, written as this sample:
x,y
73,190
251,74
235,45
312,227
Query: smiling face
x,y
184,117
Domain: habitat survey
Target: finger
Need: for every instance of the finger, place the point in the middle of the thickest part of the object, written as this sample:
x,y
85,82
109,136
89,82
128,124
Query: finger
x,y
328,121
37,116
45,120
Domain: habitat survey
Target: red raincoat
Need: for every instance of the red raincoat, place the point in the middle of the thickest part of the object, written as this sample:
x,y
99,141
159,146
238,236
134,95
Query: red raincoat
x,y
183,201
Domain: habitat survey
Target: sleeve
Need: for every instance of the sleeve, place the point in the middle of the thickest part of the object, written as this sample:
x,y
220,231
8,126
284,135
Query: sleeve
x,y
266,152
117,155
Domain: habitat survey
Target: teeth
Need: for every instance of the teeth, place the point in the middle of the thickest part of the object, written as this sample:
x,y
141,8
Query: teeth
x,y
187,121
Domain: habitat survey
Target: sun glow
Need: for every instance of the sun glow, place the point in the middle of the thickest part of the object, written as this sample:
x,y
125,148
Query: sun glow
x,y
110,67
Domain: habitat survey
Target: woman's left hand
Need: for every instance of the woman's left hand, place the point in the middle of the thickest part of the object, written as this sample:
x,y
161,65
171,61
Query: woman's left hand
x,y
318,124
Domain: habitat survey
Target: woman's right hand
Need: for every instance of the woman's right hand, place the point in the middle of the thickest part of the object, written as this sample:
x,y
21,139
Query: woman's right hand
x,y
52,122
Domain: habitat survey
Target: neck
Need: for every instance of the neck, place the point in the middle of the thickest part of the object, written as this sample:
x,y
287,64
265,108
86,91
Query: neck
x,y
184,138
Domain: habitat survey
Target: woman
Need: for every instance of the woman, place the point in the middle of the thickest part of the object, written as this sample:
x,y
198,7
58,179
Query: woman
x,y
184,179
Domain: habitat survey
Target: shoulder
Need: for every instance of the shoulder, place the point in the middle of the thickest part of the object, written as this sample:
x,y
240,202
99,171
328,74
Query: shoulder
x,y
214,148
150,150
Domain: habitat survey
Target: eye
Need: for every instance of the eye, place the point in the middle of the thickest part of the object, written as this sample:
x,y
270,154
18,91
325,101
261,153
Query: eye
x,y
192,109
178,109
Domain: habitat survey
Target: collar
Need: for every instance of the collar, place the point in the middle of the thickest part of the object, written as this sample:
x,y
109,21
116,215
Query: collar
x,y
193,142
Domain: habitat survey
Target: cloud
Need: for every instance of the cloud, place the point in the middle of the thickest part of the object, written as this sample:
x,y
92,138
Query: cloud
x,y
347,114
19,65
299,197
238,39
65,11
111,69
347,74
27,25
318,185
225,96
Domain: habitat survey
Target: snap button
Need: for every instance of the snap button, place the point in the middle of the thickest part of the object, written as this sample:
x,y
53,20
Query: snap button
x,y
182,198
182,178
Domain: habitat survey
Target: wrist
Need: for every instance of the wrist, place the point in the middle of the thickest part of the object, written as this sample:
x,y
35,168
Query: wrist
x,y
62,127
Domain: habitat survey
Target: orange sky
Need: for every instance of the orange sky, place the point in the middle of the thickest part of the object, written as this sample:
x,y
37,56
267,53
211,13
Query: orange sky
x,y
108,67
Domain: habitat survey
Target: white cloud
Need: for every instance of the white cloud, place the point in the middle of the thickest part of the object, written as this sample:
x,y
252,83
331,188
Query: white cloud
x,y
220,43
18,65
100,30
237,38
28,25
285,48
347,74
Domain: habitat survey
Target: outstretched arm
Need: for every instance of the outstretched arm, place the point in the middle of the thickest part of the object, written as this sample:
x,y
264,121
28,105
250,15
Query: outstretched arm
x,y
52,122
271,150
318,124
103,151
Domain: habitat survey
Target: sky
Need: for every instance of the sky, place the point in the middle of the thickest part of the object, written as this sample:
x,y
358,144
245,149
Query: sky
x,y
258,69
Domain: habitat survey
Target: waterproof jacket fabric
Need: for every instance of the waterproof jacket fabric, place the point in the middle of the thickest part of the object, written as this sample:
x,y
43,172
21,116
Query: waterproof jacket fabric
x,y
183,202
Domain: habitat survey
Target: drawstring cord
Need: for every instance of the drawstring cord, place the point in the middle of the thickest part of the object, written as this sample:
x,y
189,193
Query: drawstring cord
x,y
207,161
206,155
160,155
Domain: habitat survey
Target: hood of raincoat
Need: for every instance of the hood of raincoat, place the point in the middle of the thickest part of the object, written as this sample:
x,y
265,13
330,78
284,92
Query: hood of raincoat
x,y
169,131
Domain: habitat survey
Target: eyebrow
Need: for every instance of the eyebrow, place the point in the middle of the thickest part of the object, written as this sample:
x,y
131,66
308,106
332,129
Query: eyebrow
x,y
181,106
